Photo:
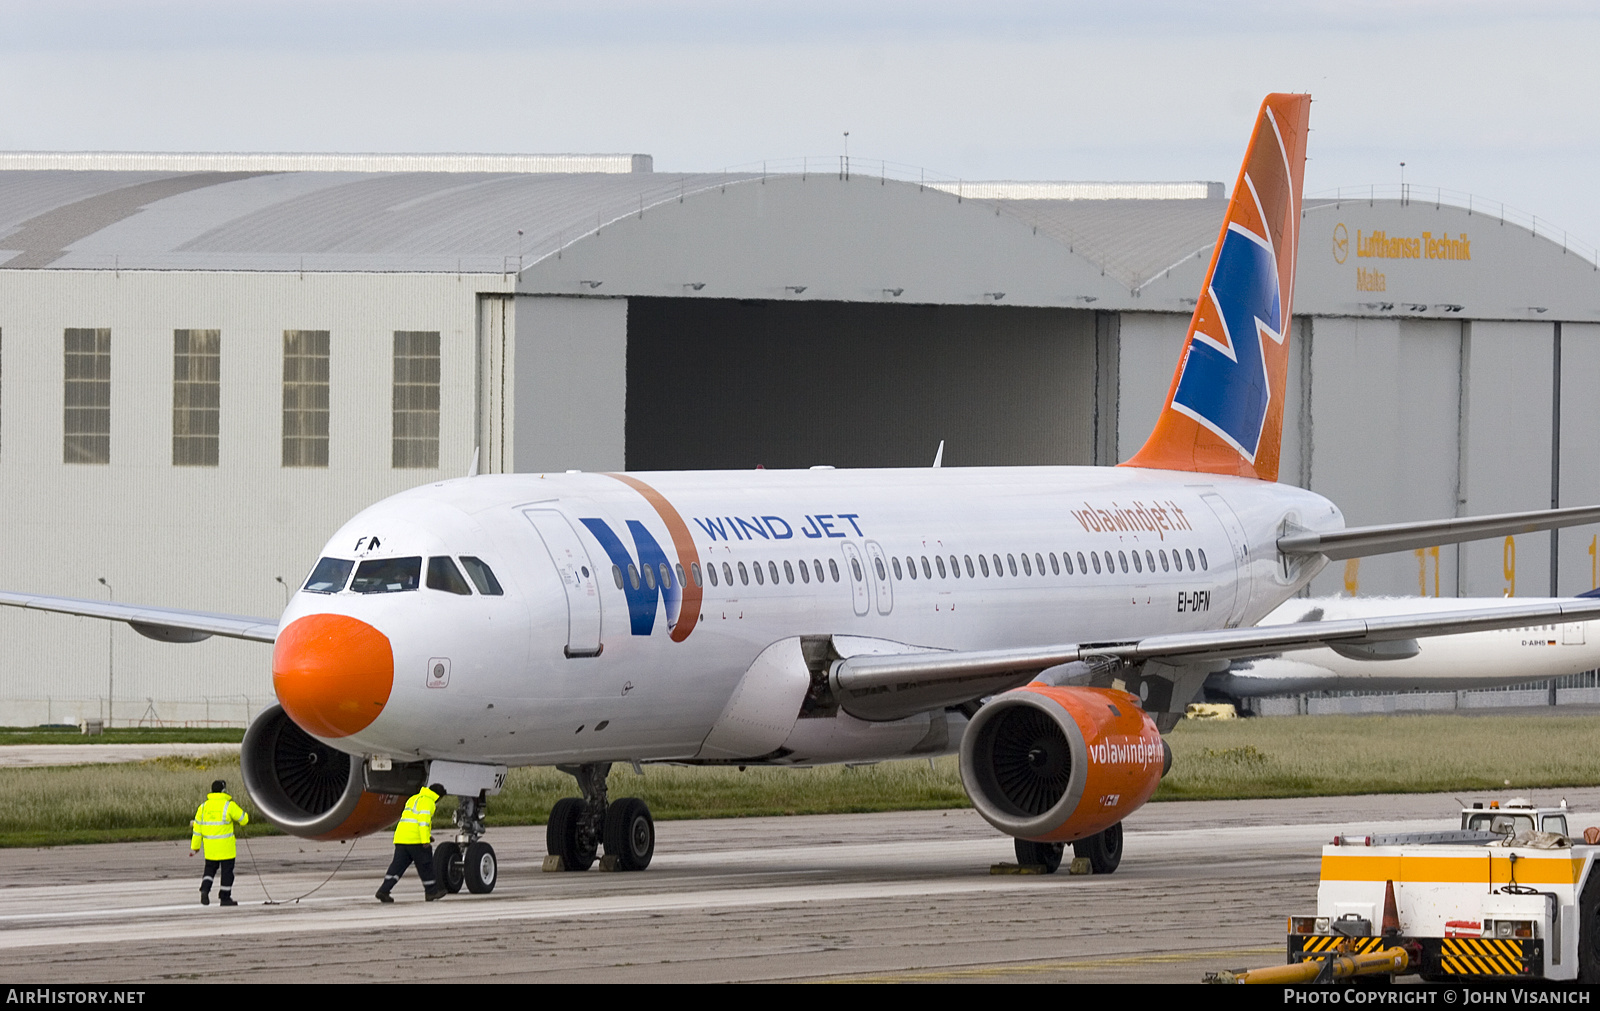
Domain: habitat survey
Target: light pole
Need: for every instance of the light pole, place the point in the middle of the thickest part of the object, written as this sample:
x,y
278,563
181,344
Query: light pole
x,y
285,586
111,668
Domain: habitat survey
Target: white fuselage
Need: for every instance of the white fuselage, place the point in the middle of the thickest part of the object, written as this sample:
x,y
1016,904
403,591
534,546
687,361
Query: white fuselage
x,y
1446,662
521,685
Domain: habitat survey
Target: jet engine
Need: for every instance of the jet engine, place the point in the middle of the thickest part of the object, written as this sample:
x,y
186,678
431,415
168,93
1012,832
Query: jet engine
x,y
1060,764
311,790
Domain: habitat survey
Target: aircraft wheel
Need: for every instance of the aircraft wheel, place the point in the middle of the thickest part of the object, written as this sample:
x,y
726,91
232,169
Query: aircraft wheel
x,y
447,864
563,835
1040,854
1104,849
630,834
481,868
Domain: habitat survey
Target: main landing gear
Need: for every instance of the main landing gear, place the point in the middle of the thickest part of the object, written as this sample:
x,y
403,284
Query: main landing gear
x,y
579,827
467,860
1103,850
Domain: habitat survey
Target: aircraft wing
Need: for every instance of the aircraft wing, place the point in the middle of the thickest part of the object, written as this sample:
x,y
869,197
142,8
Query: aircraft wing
x,y
163,623
886,687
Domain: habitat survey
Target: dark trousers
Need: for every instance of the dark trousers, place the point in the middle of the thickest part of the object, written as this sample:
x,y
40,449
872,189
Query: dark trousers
x,y
406,854
212,866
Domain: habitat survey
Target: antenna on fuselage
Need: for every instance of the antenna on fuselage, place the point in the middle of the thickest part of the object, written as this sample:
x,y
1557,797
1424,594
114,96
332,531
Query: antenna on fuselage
x,y
938,457
473,470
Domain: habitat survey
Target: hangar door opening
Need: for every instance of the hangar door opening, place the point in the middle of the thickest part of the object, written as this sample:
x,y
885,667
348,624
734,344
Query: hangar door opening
x,y
716,384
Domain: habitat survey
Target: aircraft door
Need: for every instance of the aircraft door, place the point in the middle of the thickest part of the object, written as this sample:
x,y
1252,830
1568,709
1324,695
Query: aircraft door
x,y
578,577
878,563
1241,555
857,574
1572,633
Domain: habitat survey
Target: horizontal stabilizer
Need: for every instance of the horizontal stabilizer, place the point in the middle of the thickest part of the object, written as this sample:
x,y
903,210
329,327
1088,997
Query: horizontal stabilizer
x,y
163,623
1359,542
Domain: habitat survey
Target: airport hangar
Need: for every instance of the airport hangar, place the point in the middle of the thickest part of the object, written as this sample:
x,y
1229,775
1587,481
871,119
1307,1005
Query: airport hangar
x,y
209,362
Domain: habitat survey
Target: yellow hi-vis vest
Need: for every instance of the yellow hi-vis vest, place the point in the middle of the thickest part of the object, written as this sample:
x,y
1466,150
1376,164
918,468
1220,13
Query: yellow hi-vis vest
x,y
416,824
213,826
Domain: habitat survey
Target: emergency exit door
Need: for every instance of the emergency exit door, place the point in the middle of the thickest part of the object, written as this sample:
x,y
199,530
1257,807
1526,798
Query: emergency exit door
x,y
578,577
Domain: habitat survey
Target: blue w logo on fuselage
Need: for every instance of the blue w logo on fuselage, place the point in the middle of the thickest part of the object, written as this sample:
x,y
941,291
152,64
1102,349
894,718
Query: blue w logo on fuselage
x,y
644,584
1224,382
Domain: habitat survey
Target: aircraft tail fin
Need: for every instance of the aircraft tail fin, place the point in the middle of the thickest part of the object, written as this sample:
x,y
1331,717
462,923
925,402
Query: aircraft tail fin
x,y
1224,410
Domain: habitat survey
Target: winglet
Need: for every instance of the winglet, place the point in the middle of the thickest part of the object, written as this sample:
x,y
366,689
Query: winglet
x,y
1224,410
473,470
938,456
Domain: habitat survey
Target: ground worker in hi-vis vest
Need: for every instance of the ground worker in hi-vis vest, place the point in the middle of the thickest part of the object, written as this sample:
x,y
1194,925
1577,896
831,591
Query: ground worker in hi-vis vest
x,y
411,844
213,831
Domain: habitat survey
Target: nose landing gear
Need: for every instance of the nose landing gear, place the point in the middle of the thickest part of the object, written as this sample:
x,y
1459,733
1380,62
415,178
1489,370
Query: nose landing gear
x,y
467,860
578,828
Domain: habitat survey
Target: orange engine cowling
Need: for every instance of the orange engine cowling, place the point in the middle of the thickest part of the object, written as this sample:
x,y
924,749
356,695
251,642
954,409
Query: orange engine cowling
x,y
1061,764
311,790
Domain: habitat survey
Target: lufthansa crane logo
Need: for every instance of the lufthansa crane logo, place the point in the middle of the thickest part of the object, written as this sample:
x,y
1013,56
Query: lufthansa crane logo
x,y
1341,243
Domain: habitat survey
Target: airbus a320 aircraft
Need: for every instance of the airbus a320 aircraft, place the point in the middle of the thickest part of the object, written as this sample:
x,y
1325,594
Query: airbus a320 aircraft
x,y
1047,622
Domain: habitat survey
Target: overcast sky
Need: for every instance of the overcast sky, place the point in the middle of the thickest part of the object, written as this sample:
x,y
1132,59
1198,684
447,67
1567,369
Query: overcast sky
x,y
1497,99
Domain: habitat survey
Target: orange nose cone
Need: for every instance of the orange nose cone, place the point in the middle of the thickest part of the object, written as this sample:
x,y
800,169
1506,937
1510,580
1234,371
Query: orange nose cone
x,y
332,673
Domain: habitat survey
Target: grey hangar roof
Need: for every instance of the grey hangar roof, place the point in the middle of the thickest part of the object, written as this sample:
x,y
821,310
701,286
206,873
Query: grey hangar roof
x,y
812,235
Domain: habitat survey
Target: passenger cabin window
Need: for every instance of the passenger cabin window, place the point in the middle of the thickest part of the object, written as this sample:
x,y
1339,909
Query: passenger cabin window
x,y
971,572
772,570
387,575
833,570
983,565
443,575
1027,566
483,577
940,560
1202,553
711,570
329,576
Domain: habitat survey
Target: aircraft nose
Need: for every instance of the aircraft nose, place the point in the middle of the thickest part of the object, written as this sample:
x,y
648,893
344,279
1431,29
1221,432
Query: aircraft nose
x,y
332,673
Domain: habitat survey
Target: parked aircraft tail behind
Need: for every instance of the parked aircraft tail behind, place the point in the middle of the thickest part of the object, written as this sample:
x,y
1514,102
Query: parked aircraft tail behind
x,y
1224,411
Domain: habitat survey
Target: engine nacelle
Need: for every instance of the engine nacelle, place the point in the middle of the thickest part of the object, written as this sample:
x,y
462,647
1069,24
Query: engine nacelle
x,y
311,790
1059,764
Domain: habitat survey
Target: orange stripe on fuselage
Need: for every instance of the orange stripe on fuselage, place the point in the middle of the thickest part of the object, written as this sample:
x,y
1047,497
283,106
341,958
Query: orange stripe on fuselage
x,y
688,554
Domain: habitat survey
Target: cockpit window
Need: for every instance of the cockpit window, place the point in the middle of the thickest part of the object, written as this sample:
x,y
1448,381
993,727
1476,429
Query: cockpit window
x,y
387,575
482,576
329,576
443,575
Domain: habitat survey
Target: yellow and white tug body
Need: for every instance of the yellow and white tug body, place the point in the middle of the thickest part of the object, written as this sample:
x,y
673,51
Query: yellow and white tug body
x,y
1509,895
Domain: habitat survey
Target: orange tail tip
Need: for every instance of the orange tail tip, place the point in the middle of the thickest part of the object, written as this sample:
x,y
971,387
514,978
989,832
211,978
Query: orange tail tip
x,y
1224,410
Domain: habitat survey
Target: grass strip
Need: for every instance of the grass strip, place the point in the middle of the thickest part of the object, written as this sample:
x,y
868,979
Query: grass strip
x,y
58,734
1284,757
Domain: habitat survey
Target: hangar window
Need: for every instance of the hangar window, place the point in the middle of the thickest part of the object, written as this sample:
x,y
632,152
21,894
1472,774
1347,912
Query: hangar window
x,y
196,397
443,575
416,398
329,576
833,570
86,420
483,577
305,398
387,575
